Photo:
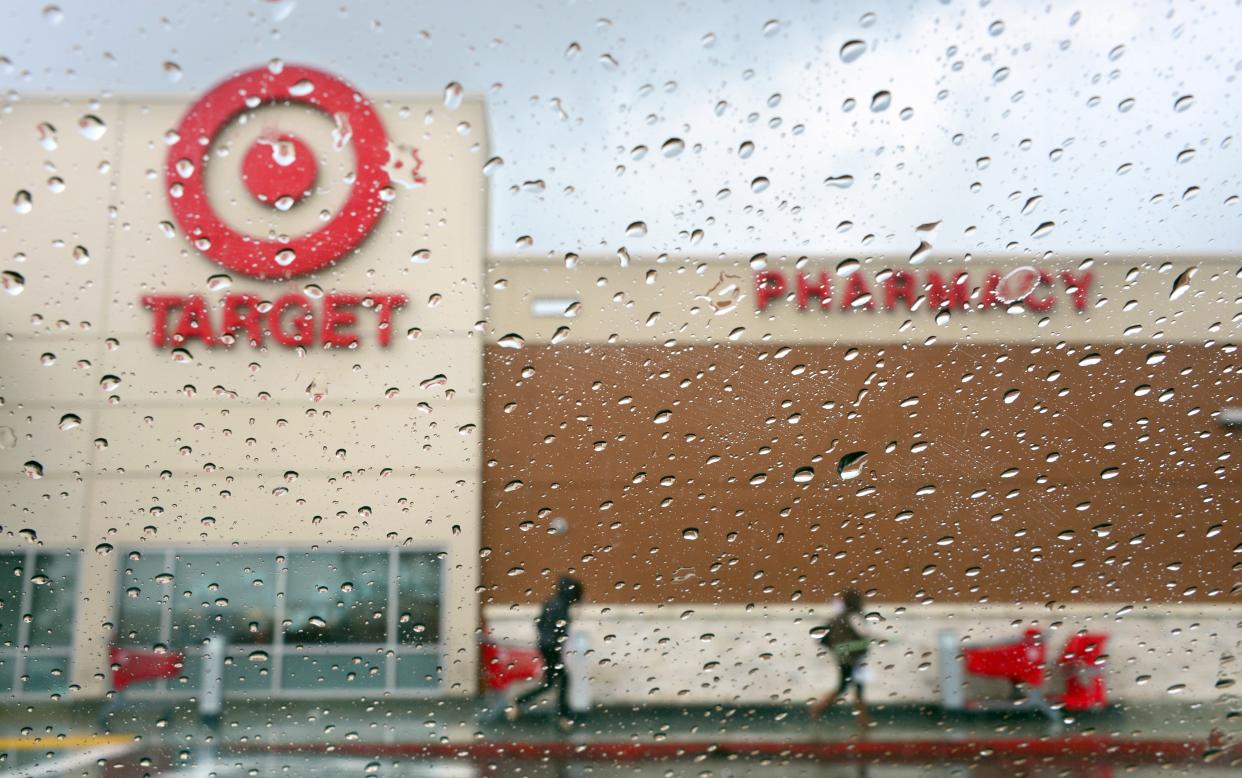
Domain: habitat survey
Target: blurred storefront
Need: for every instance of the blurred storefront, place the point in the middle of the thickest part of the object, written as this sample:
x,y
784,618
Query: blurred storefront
x,y
715,444
717,455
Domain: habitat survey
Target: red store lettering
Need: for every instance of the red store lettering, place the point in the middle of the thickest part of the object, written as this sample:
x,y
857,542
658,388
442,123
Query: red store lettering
x,y
1032,288
291,320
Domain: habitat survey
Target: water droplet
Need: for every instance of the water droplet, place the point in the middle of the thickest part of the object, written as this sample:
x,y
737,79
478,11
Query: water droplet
x,y
13,283
513,485
109,383
92,127
452,95
512,340
492,165
70,421
881,100
1183,103
1043,229
759,184
996,28
22,202
33,469
758,479
47,136
804,475
257,656
662,417
103,549
851,465
52,14
1181,284
1155,357
672,147
840,182
771,27
302,88
636,230
172,71
852,50
690,533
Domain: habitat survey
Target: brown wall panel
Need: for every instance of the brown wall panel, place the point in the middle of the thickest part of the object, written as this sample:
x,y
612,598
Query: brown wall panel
x,y
968,490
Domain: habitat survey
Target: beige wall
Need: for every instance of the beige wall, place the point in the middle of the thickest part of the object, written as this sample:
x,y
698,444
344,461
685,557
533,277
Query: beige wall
x,y
765,655
236,419
687,300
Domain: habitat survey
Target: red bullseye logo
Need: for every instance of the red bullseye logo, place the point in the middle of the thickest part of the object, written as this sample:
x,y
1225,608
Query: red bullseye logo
x,y
278,171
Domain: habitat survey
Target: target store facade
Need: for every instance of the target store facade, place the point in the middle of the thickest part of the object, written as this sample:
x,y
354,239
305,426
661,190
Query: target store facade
x,y
264,382
262,311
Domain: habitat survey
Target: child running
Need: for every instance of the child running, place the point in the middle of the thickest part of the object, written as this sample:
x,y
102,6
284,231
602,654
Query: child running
x,y
850,650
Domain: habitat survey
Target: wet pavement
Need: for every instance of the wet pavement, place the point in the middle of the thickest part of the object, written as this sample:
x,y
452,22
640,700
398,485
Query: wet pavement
x,y
449,738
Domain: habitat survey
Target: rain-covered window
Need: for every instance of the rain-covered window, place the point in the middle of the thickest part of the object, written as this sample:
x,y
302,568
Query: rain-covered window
x,y
588,388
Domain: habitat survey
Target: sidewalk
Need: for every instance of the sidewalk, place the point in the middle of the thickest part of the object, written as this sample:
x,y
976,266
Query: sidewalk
x,y
446,727
456,729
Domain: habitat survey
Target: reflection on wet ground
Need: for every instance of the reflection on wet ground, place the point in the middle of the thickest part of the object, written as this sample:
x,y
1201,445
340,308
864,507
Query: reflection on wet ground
x,y
456,738
106,762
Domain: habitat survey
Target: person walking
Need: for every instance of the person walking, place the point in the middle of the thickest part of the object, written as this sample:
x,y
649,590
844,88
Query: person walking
x,y
849,648
552,627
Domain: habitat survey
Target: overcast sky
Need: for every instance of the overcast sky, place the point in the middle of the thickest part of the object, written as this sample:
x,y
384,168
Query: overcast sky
x,y
1073,103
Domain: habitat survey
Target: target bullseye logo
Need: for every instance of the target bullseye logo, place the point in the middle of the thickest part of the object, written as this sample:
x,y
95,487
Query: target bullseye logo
x,y
278,170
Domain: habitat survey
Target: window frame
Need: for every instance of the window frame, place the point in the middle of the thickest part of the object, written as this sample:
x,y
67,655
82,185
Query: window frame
x,y
21,649
277,648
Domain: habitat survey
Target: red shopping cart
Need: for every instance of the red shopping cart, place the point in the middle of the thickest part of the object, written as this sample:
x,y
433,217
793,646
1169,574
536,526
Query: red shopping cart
x,y
137,665
1082,666
134,665
1022,663
506,665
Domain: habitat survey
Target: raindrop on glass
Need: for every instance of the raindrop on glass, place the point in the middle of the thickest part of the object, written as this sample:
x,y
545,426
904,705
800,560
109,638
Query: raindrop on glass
x,y
852,50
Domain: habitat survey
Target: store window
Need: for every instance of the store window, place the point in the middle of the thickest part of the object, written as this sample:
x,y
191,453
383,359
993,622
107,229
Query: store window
x,y
296,621
38,593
